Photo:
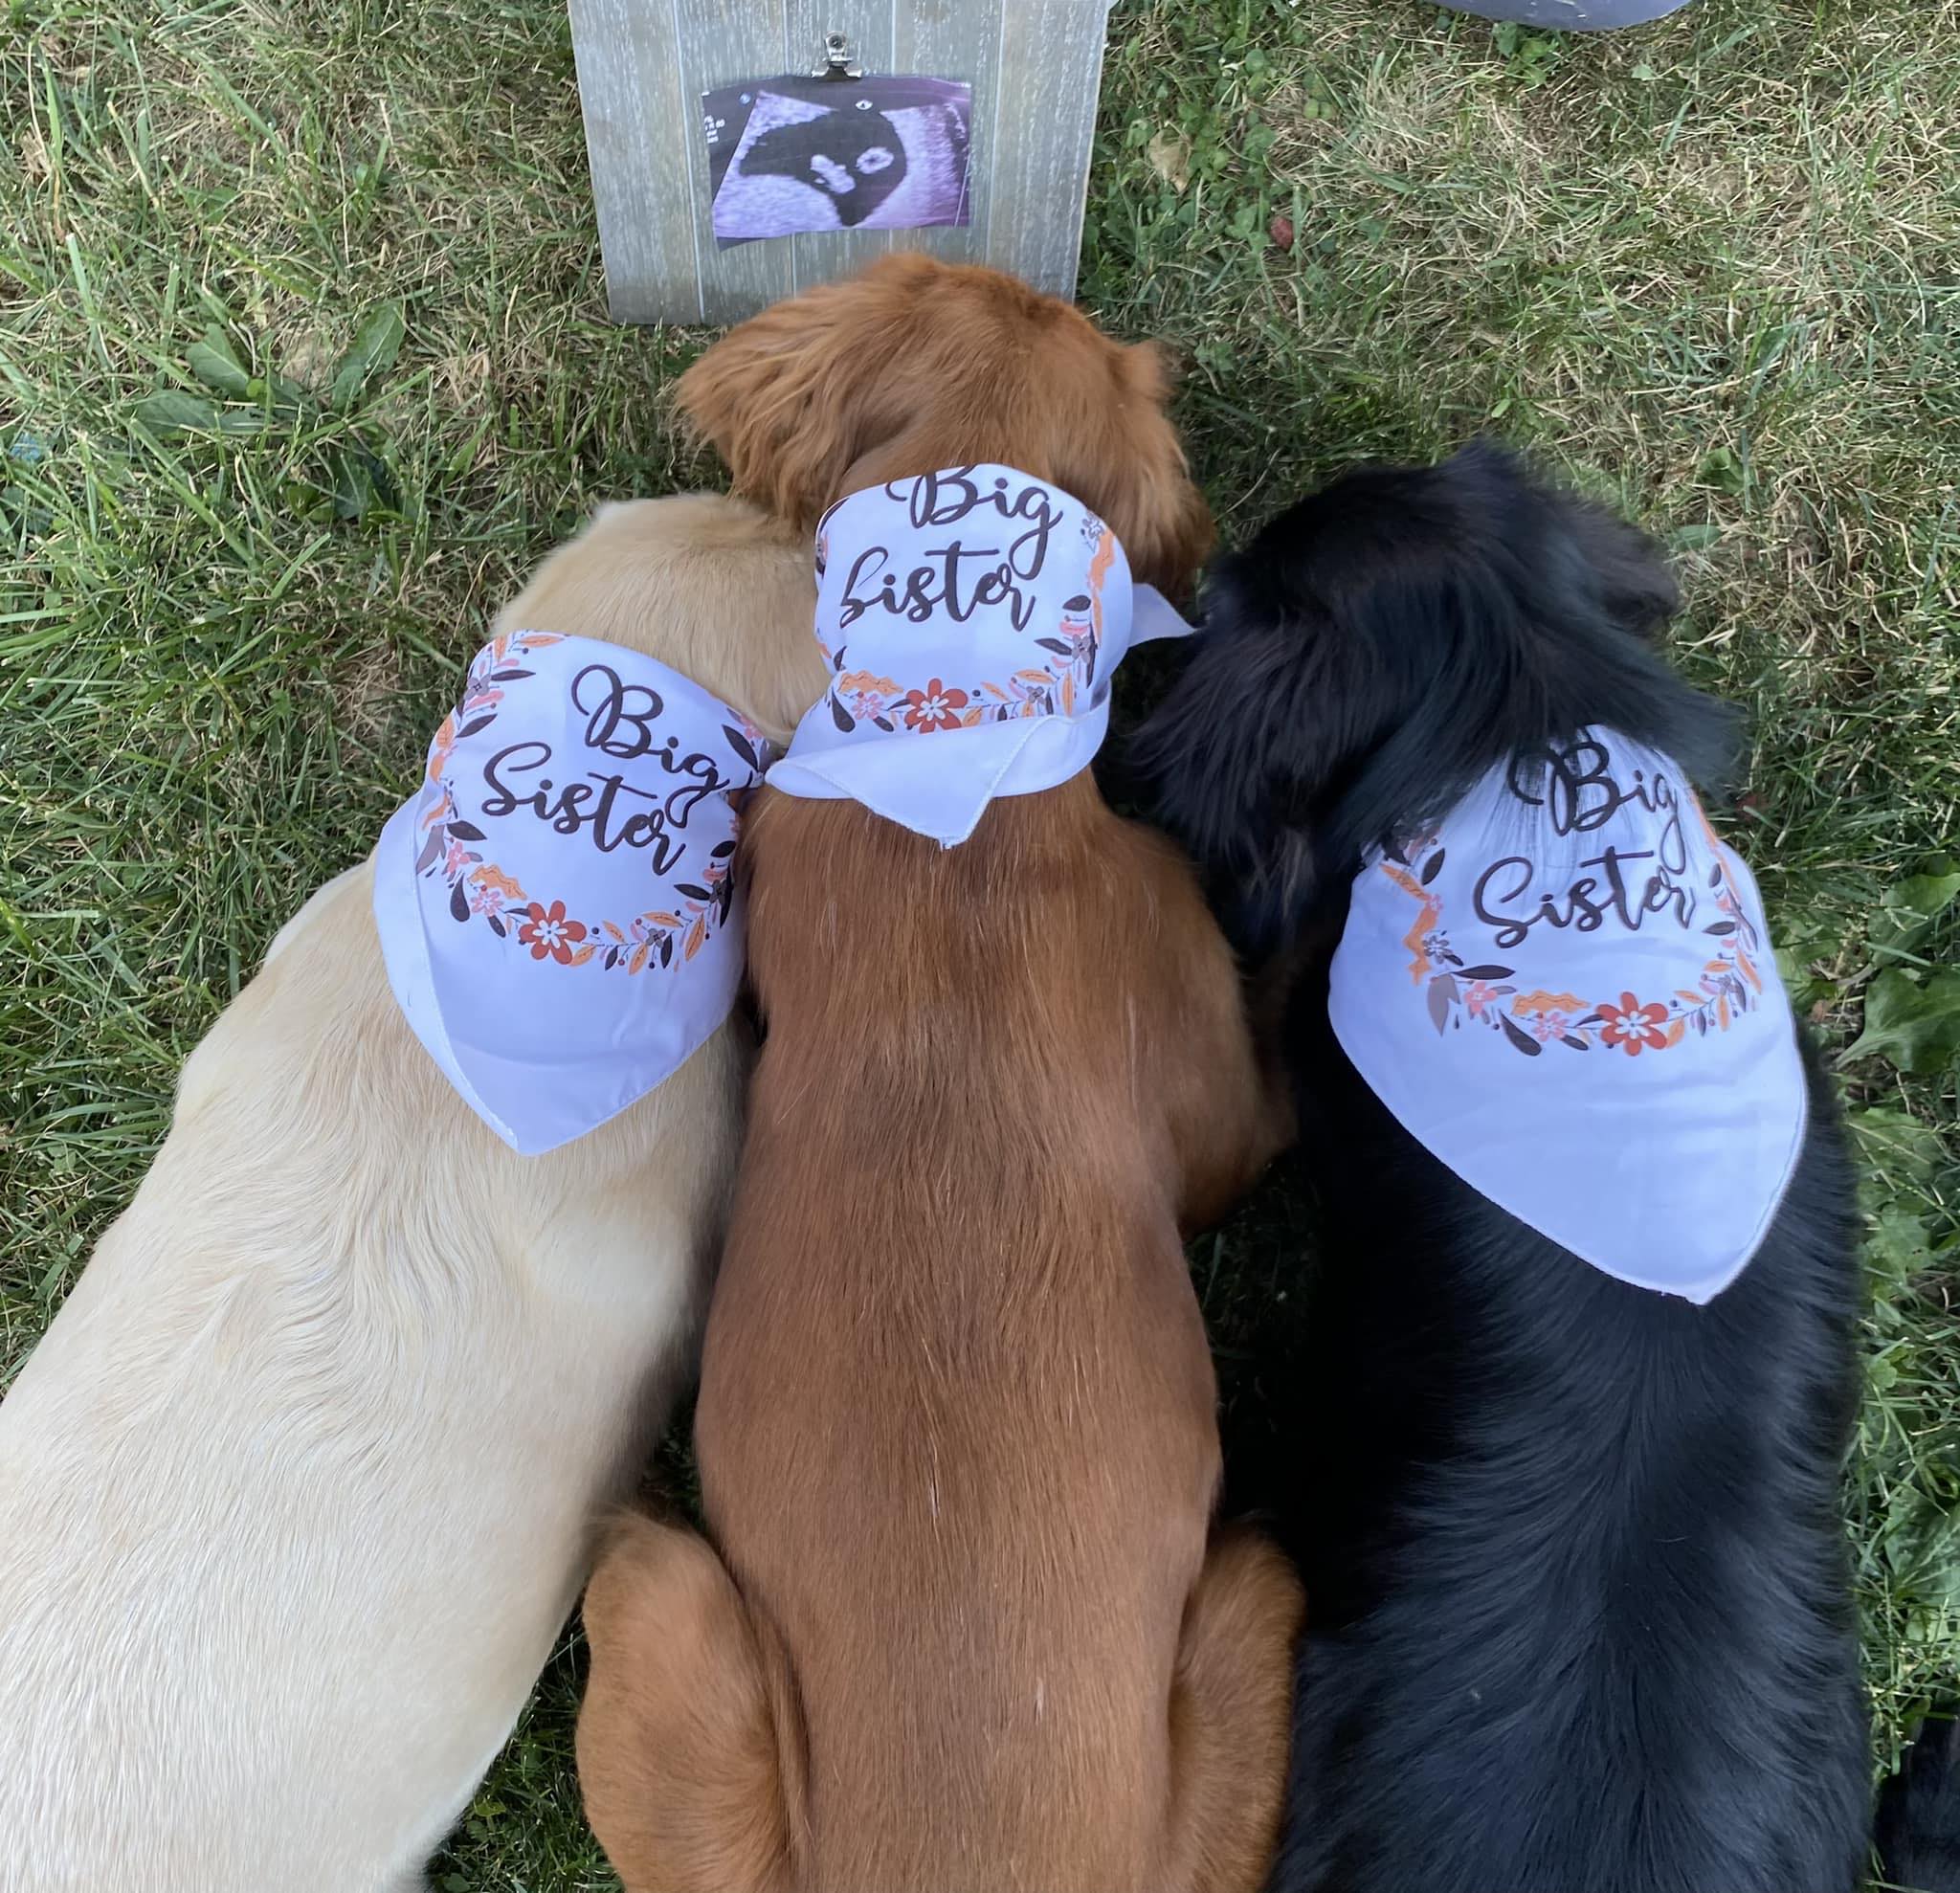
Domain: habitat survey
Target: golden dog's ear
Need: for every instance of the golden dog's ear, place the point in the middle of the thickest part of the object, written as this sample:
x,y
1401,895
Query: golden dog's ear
x,y
794,397
1132,469
1152,370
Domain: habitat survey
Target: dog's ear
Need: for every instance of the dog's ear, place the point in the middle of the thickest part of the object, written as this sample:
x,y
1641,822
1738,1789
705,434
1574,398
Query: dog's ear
x,y
1629,570
793,398
1124,459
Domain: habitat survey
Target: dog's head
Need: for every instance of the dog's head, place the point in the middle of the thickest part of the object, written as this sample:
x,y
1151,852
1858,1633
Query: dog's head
x,y
1385,642
919,365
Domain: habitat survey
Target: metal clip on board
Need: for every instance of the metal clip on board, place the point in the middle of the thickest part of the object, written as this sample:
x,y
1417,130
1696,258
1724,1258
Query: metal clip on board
x,y
837,62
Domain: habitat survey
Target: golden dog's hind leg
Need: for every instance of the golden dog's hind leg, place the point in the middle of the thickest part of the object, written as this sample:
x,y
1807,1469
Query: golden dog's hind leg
x,y
1230,1717
685,1758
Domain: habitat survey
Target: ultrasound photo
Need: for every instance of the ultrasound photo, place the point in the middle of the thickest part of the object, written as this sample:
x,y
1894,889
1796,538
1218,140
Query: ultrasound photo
x,y
799,154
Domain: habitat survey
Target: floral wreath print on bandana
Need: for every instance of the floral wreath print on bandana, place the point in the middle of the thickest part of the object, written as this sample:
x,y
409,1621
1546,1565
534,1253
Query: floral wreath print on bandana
x,y
979,606
1576,907
579,810
1578,792
480,889
1054,686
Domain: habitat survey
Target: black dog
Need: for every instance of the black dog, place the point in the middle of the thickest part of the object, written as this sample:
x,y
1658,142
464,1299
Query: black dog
x,y
1918,1811
1579,1615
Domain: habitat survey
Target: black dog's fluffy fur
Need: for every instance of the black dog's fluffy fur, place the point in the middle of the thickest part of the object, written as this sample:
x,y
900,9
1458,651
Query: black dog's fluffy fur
x,y
1579,1615
1918,1811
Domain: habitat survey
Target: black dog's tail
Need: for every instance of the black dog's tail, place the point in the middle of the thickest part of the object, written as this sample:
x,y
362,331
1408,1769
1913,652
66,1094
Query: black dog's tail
x,y
1918,1831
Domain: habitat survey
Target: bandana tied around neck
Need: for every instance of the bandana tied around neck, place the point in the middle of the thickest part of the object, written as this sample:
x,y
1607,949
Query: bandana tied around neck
x,y
979,607
555,904
1567,993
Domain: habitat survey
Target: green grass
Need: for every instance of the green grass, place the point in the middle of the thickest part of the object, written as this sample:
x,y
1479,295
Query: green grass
x,y
1711,269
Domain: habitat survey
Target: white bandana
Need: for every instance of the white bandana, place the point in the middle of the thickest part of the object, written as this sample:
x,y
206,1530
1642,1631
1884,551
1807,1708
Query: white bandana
x,y
555,904
1567,993
977,606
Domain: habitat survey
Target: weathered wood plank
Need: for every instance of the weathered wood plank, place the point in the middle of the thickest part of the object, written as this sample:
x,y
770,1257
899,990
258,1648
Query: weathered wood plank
x,y
630,91
643,64
1051,66
955,39
720,41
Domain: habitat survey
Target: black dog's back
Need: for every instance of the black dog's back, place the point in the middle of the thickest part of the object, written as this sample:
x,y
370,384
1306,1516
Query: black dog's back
x,y
1579,1617
1580,1610
1919,1812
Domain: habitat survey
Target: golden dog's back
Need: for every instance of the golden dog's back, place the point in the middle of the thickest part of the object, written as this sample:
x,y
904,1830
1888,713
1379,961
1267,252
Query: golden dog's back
x,y
971,1407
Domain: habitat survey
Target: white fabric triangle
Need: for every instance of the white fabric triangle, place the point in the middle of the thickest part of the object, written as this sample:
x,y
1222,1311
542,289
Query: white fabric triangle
x,y
555,904
977,607
1567,993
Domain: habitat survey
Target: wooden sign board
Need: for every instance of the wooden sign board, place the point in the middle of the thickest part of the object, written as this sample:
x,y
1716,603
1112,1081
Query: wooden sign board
x,y
1033,65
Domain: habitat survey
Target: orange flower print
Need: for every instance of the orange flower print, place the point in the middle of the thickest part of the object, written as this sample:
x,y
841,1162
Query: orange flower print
x,y
935,707
491,875
1478,995
1422,934
1100,562
1525,1004
865,694
443,742
547,932
1633,1025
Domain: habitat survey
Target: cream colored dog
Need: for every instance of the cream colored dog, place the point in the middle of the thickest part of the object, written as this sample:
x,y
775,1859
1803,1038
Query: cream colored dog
x,y
298,1488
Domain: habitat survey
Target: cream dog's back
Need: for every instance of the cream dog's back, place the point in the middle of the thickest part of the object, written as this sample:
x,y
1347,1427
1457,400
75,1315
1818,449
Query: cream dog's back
x,y
298,1489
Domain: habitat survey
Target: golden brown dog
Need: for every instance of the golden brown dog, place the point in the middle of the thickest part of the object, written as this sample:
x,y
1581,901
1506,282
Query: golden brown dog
x,y
968,1628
